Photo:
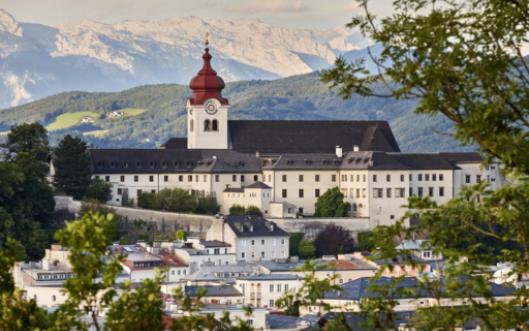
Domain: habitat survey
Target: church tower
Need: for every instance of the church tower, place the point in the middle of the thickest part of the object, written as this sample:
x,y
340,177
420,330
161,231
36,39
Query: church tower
x,y
207,110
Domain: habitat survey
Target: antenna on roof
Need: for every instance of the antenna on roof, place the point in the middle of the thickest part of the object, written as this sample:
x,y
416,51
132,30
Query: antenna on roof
x,y
207,39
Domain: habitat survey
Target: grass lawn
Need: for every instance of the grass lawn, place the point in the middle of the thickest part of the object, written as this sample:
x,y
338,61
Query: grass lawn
x,y
96,133
68,120
133,111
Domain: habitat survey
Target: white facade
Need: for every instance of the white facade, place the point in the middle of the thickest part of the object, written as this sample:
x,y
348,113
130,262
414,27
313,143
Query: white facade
x,y
264,290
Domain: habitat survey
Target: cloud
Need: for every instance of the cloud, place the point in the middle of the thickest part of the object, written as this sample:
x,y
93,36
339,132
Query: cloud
x,y
270,6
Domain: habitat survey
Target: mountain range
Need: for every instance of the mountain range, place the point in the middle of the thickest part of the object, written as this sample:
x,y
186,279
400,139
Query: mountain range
x,y
38,60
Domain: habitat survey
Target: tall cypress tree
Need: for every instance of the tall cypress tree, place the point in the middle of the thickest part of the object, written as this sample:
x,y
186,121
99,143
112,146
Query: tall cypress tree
x,y
72,167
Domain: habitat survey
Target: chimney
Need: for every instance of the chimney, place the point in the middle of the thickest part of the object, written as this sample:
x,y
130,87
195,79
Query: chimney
x,y
356,148
339,151
257,154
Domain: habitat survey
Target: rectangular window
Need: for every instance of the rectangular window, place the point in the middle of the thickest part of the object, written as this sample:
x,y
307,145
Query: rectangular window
x,y
189,178
374,178
301,193
333,178
217,178
165,178
400,192
234,178
441,191
278,287
300,177
377,193
255,178
401,178
441,178
410,177
284,178
478,178
419,193
242,178
120,191
284,193
352,178
151,178
316,178
363,193
388,192
358,193
364,178
180,178
427,177
434,177
358,178
196,178
136,178
344,178
467,179
411,191
271,303
122,178
419,177
430,191
205,178
271,290
317,192
388,178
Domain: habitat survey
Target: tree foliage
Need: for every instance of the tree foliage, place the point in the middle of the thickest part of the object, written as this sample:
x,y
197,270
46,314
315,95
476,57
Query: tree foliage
x,y
72,167
306,249
238,210
98,190
178,200
293,243
26,200
333,240
463,60
332,204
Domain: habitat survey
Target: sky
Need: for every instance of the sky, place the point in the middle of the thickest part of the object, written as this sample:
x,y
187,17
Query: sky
x,y
288,13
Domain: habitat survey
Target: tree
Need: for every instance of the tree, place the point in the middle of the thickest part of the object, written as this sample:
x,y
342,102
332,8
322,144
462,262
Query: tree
x,y
72,167
366,241
26,200
253,210
29,138
463,60
333,240
237,210
293,243
181,235
207,205
331,204
98,190
306,249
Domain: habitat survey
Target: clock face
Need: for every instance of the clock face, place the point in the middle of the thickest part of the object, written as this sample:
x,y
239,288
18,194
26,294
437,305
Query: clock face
x,y
211,107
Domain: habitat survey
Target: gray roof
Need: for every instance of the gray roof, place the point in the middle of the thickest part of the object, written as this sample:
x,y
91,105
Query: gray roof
x,y
253,226
360,289
234,189
258,184
278,137
214,243
137,161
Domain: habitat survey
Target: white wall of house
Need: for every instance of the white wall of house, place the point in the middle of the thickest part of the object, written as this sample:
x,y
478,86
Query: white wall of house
x,y
261,248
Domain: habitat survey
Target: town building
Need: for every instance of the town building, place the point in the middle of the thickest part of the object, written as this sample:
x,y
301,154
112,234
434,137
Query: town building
x,y
282,167
264,290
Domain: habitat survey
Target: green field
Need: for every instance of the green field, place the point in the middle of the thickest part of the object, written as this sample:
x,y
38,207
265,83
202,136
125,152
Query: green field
x,y
96,133
68,120
133,111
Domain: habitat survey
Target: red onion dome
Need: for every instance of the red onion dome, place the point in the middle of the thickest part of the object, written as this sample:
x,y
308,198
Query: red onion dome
x,y
206,84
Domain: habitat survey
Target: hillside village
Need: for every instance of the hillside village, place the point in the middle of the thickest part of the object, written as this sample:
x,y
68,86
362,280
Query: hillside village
x,y
279,170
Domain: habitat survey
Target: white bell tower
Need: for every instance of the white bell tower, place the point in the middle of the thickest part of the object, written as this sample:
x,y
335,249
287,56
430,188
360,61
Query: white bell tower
x,y
207,110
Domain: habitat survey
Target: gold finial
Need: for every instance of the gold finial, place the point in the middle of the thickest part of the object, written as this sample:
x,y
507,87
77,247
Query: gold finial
x,y
207,39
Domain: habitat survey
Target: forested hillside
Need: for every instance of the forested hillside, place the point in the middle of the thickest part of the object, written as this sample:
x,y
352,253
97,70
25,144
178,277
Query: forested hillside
x,y
149,115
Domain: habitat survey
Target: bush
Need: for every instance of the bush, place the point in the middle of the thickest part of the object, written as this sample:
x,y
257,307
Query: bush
x,y
237,210
366,241
253,210
178,201
306,249
331,204
293,243
333,240
98,190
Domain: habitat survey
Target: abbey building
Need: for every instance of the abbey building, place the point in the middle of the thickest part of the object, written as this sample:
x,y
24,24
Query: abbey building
x,y
282,167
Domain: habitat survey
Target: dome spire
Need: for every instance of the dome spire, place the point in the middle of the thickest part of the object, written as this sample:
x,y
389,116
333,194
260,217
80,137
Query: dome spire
x,y
207,84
